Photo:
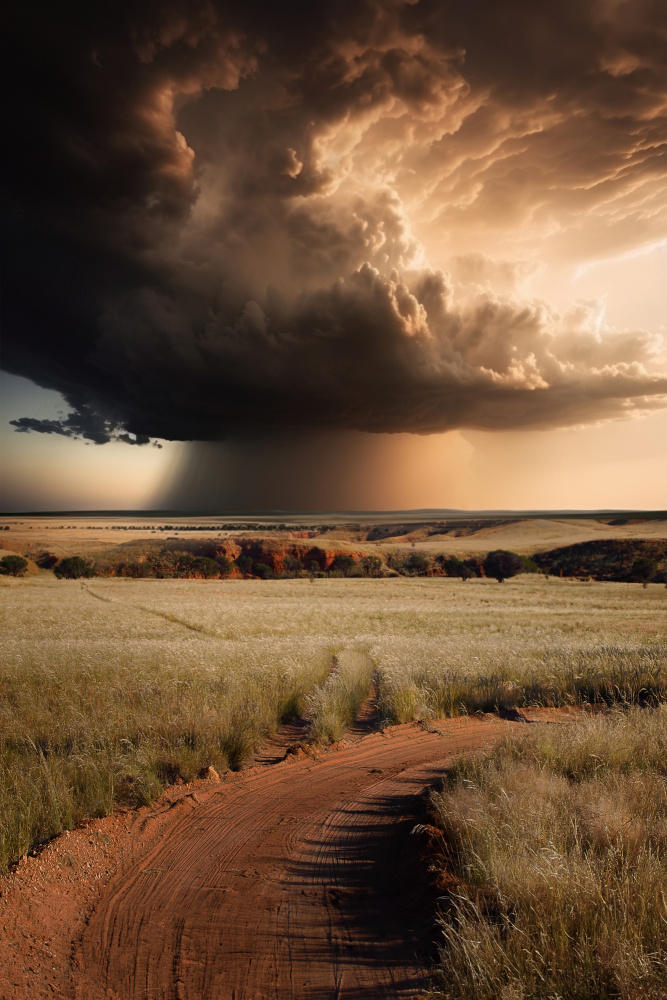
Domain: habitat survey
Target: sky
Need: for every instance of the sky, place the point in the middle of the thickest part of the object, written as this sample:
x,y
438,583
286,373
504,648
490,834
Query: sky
x,y
381,254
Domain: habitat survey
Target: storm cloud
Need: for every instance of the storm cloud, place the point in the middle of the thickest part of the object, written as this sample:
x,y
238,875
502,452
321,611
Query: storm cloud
x,y
227,216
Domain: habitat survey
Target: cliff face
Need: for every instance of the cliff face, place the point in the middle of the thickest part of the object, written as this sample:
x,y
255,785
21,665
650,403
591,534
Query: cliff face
x,y
274,553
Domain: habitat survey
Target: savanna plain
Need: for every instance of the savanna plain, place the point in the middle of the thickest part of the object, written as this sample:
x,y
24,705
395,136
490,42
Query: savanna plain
x,y
549,847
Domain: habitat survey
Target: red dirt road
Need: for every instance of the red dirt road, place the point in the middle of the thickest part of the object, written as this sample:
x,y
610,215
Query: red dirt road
x,y
300,880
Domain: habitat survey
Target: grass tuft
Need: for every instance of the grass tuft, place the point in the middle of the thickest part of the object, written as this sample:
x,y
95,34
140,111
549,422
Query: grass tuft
x,y
335,705
558,843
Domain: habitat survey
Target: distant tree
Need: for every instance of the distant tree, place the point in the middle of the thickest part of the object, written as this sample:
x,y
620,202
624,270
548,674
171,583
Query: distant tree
x,y
13,565
475,565
225,564
344,564
46,560
261,570
292,565
206,567
501,565
529,565
644,570
244,563
73,567
372,565
456,567
417,563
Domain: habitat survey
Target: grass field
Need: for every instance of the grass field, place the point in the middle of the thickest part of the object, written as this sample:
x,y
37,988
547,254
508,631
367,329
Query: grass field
x,y
111,689
557,841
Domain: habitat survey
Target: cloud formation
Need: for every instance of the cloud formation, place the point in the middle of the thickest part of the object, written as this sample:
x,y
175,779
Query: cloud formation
x,y
227,216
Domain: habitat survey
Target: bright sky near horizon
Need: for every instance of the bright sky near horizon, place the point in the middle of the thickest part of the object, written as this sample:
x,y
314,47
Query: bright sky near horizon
x,y
395,254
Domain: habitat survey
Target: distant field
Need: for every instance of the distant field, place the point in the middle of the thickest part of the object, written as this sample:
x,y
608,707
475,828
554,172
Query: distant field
x,y
93,535
111,689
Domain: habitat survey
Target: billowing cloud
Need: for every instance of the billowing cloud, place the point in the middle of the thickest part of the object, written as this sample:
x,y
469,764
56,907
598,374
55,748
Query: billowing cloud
x,y
227,215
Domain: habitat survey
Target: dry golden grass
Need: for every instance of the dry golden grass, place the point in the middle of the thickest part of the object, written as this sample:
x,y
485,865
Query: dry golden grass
x,y
334,706
102,703
528,641
558,840
112,688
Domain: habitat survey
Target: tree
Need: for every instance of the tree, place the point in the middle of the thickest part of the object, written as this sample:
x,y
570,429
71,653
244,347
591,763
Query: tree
x,y
225,564
291,565
372,565
501,565
456,567
261,570
244,563
205,567
643,570
417,563
343,564
46,560
72,568
13,565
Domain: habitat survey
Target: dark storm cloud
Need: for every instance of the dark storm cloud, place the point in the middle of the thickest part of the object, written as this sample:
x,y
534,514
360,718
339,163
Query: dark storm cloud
x,y
81,423
212,211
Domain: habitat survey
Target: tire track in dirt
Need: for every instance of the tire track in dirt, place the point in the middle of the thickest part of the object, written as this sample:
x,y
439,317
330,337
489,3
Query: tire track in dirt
x,y
295,881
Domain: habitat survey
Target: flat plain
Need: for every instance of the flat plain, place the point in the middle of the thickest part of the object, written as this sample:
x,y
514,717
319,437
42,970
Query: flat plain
x,y
116,689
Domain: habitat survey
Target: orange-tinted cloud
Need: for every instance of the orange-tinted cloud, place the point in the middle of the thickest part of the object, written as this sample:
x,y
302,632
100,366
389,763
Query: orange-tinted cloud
x,y
241,215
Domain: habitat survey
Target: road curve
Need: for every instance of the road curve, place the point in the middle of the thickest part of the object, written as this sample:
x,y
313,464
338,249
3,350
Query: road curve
x,y
299,880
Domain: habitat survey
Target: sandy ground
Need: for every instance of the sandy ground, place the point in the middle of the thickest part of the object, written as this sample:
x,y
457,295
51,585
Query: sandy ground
x,y
300,879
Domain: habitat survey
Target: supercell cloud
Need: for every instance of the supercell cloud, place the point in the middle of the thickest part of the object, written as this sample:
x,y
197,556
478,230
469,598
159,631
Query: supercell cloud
x,y
225,216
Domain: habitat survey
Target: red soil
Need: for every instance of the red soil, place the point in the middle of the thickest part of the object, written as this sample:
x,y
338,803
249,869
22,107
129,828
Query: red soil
x,y
299,880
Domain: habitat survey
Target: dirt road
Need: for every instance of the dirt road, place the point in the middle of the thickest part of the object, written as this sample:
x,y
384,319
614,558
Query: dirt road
x,y
298,880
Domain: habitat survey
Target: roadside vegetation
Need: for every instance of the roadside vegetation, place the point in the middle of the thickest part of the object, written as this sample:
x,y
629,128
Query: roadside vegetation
x,y
111,689
103,705
335,705
431,678
554,858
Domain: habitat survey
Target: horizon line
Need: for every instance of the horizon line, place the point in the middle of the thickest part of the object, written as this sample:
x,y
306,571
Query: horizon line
x,y
293,512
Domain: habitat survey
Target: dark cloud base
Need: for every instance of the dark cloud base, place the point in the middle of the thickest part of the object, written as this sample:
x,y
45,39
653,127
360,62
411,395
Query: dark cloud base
x,y
209,211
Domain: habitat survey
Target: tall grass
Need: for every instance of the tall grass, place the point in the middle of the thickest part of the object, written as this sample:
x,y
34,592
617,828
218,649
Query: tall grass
x,y
334,706
558,843
112,689
423,679
101,707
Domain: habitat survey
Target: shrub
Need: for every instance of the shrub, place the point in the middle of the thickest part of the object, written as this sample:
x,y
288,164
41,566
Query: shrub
x,y
372,565
644,570
244,563
607,559
343,564
225,564
529,565
501,565
292,566
456,567
46,560
73,567
417,563
261,570
13,565
205,567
